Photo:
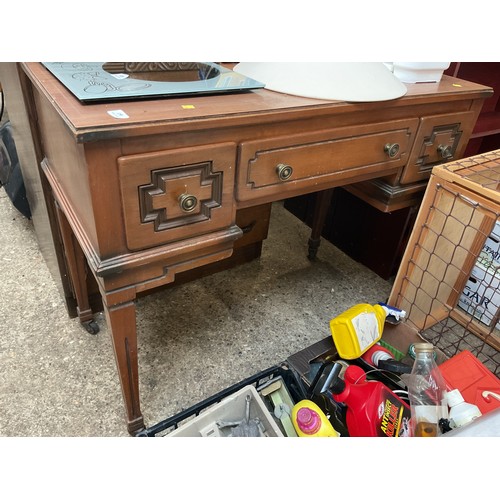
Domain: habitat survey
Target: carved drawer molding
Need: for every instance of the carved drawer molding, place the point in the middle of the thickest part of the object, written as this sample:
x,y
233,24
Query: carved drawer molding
x,y
175,194
440,138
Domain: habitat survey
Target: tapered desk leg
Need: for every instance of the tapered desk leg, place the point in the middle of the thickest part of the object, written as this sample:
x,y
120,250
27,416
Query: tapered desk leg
x,y
323,200
121,320
75,259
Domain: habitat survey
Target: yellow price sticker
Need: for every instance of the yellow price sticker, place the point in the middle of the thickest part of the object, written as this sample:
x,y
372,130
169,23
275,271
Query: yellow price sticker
x,y
187,106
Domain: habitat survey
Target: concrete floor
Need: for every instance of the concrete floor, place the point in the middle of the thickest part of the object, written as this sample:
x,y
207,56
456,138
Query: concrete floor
x,y
195,339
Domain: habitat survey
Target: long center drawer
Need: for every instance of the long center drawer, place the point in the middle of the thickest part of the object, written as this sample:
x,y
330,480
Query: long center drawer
x,y
269,168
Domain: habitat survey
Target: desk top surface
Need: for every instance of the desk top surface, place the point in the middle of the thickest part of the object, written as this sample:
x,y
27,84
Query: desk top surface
x,y
97,121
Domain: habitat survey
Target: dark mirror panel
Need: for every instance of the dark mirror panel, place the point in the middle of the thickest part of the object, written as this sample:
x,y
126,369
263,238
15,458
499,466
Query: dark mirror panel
x,y
163,71
116,81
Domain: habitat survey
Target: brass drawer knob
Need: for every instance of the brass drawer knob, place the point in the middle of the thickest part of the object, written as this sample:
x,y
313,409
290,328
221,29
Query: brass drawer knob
x,y
445,151
392,149
187,202
284,171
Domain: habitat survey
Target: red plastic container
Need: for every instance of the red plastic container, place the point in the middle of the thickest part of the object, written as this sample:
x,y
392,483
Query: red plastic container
x,y
467,374
373,410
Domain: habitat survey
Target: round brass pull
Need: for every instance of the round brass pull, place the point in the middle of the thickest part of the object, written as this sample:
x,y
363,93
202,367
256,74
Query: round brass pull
x,y
445,151
187,202
284,171
392,149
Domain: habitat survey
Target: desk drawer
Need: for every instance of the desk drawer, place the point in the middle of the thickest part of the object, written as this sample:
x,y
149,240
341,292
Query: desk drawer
x,y
176,194
279,167
440,138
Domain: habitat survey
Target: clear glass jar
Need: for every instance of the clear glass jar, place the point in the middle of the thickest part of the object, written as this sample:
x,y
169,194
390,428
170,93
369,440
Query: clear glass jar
x,y
427,393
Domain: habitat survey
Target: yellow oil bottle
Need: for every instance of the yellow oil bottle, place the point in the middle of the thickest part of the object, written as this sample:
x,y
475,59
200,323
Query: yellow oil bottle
x,y
357,329
310,421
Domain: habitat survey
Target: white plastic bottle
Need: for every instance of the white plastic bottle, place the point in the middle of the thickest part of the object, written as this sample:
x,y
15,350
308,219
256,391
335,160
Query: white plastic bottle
x,y
461,412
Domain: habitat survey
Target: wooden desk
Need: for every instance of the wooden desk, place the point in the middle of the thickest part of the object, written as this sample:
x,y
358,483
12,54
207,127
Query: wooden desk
x,y
141,199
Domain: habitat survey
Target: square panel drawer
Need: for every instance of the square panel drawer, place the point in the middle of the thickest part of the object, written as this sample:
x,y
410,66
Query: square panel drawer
x,y
440,138
279,167
175,194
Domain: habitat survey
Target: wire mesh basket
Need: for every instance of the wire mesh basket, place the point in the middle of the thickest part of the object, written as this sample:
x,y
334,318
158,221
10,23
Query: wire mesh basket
x,y
448,280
